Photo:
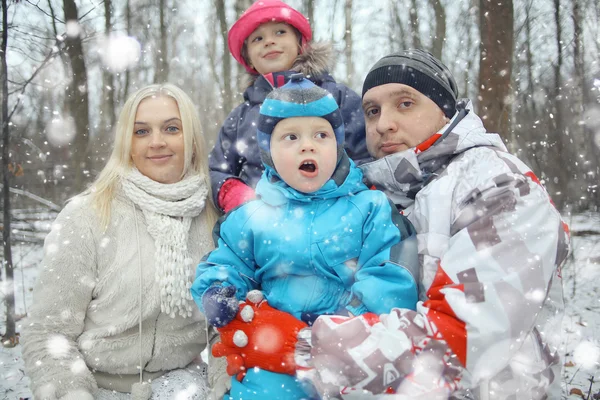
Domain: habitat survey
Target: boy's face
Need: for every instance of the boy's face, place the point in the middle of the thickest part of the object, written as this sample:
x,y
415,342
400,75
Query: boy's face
x,y
398,117
304,152
272,47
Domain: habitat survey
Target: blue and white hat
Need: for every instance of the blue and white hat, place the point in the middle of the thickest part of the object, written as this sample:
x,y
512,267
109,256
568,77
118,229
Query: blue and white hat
x,y
297,98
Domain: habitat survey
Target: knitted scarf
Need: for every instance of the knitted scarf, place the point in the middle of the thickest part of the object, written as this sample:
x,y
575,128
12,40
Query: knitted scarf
x,y
169,210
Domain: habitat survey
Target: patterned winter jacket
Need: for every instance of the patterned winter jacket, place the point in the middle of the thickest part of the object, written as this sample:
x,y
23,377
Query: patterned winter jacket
x,y
343,246
236,154
490,248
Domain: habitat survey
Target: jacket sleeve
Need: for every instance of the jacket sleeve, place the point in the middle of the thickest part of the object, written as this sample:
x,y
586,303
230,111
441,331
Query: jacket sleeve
x,y
223,160
355,143
387,265
62,294
232,261
494,282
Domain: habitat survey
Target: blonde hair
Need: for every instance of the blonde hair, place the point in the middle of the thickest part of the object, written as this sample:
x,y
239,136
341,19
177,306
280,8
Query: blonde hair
x,y
195,152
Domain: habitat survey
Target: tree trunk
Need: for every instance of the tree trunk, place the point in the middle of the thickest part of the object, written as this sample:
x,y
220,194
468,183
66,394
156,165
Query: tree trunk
x,y
162,61
108,89
578,52
9,337
529,55
310,12
127,73
437,44
397,36
414,25
77,95
348,42
495,64
226,64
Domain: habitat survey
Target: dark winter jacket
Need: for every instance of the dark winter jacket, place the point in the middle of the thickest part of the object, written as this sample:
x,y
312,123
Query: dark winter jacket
x,y
236,154
343,246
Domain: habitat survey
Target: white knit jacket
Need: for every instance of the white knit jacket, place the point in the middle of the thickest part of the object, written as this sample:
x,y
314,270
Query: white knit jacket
x,y
86,303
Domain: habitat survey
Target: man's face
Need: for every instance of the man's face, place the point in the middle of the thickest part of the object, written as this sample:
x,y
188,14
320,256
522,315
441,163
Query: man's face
x,y
399,117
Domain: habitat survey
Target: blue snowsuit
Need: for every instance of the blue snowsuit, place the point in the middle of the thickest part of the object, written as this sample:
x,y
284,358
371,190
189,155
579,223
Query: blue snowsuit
x,y
236,153
341,247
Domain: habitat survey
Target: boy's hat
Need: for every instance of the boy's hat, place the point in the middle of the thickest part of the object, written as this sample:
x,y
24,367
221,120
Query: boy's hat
x,y
420,70
260,12
297,98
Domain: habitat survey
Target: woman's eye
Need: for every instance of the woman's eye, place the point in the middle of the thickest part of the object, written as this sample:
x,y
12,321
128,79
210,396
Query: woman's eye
x,y
141,132
172,129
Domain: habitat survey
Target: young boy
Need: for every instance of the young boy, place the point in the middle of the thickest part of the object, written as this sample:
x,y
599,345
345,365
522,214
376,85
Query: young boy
x,y
272,41
317,241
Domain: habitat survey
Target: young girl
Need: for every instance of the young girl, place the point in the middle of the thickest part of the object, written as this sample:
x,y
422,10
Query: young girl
x,y
271,40
111,305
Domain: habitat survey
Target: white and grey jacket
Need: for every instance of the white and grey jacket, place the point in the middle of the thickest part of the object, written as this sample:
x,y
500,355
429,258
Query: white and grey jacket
x,y
491,244
87,304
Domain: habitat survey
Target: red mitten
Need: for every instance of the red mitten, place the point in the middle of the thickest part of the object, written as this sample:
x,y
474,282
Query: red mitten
x,y
233,193
259,336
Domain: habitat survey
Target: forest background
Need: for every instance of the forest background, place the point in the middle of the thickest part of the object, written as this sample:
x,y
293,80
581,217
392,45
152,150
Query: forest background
x,y
531,68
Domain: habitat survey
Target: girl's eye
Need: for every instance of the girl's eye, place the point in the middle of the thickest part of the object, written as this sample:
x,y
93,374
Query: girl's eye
x,y
172,129
256,39
141,132
281,32
371,112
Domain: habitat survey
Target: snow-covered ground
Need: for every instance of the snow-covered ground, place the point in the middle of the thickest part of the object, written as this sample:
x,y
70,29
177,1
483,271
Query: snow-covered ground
x,y
580,332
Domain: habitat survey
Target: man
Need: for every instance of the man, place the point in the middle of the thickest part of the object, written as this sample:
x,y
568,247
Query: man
x,y
490,247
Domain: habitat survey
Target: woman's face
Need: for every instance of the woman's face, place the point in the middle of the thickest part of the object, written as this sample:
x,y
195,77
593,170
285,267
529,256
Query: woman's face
x,y
157,142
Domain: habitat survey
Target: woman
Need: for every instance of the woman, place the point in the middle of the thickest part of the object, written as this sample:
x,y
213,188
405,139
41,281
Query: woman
x,y
113,290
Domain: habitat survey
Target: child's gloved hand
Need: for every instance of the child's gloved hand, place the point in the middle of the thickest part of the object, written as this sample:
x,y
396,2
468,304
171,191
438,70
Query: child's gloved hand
x,y
220,305
234,193
259,336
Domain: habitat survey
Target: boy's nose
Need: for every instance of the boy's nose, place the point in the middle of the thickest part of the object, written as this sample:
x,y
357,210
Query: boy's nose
x,y
308,145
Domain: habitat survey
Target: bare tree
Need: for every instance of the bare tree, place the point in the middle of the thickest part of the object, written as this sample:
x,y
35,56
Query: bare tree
x,y
397,34
310,11
162,62
10,333
77,94
495,64
437,44
414,24
226,60
348,41
108,89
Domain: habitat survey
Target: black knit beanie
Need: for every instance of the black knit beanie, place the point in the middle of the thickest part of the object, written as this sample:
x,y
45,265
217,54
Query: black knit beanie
x,y
420,70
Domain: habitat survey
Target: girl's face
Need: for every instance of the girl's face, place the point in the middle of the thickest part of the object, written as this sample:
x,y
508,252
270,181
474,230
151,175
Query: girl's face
x,y
157,148
272,47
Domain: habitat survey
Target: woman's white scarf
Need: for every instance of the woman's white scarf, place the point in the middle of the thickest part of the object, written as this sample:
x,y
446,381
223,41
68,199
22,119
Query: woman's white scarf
x,y
169,210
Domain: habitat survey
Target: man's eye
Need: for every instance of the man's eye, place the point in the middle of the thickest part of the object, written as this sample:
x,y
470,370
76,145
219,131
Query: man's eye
x,y
406,104
371,112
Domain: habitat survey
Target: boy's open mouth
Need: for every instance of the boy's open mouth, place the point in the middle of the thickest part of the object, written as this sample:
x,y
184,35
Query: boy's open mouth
x,y
309,168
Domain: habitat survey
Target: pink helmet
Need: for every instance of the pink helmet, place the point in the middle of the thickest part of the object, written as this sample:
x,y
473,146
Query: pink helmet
x,y
260,12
